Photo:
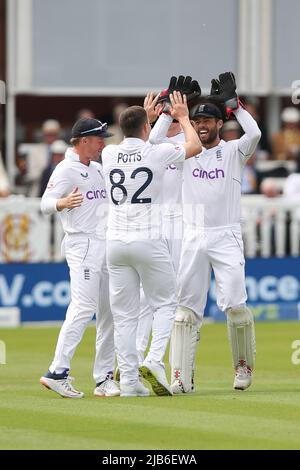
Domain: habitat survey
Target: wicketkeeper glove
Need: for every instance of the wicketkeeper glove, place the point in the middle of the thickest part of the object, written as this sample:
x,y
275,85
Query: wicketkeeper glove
x,y
223,90
186,85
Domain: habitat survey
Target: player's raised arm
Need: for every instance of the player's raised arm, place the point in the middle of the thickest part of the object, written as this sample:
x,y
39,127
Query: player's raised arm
x,y
224,91
180,112
160,105
248,142
151,107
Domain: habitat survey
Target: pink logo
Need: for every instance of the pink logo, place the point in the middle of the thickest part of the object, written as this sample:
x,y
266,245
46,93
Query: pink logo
x,y
209,175
96,194
50,185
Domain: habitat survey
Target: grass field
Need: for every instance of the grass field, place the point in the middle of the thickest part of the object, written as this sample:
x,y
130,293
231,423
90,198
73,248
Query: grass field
x,y
267,416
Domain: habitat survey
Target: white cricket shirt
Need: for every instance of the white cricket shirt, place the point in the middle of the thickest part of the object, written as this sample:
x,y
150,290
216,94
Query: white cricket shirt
x,y
90,217
212,179
173,176
134,172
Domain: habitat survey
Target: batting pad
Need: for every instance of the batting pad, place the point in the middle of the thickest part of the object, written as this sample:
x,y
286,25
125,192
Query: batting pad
x,y
183,348
241,335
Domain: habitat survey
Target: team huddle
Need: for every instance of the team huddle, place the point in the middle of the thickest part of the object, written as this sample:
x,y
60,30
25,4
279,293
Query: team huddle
x,y
143,232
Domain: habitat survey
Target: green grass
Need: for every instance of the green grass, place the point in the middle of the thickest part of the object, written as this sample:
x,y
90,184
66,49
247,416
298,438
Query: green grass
x,y
267,416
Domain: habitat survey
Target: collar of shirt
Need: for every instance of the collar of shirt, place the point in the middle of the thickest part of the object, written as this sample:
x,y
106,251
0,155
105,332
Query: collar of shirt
x,y
132,141
212,149
71,155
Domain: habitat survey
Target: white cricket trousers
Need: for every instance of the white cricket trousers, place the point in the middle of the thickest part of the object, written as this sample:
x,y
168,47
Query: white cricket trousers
x,y
146,312
89,296
130,263
219,249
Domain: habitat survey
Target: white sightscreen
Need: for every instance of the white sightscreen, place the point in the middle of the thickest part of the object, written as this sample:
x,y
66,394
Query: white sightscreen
x,y
130,44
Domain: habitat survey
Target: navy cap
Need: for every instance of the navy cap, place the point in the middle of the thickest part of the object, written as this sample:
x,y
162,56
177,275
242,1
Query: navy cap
x,y
88,127
208,110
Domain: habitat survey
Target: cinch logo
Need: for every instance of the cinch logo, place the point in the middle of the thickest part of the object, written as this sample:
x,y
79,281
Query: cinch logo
x,y
171,167
96,194
209,175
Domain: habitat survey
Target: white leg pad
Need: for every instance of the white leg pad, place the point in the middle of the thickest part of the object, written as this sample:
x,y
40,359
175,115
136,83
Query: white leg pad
x,y
241,335
183,349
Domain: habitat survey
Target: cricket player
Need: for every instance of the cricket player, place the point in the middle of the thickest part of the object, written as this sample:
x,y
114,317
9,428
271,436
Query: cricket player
x,y
136,252
76,190
166,130
213,179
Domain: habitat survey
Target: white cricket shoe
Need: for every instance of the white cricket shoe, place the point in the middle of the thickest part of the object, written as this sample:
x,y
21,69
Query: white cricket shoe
x,y
108,388
137,390
117,375
154,373
178,388
243,376
63,387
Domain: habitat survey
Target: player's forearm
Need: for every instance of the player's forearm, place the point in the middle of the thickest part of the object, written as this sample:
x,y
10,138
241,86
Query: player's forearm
x,y
192,142
49,205
249,141
159,132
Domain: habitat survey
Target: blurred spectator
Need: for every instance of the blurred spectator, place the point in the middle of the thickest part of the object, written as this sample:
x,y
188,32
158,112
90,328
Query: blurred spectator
x,y
270,187
249,178
263,150
85,113
49,127
286,142
231,130
57,149
34,158
4,183
115,127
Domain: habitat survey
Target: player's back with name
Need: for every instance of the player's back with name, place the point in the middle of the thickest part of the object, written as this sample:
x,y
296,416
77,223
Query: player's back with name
x,y
133,173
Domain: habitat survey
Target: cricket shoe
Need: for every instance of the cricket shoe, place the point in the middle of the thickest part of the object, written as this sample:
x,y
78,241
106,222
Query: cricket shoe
x,y
118,376
243,376
107,388
137,390
178,387
61,384
154,373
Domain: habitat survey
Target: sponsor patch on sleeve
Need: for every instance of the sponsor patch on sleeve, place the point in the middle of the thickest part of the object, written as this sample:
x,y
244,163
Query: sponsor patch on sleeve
x,y
51,184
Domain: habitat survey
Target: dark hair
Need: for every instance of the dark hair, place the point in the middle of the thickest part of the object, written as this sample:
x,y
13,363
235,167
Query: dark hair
x,y
132,121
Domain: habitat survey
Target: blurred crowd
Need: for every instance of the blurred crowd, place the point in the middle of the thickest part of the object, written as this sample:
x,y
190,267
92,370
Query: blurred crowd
x,y
272,171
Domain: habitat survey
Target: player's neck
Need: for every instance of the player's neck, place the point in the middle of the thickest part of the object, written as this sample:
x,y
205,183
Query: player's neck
x,y
213,144
84,159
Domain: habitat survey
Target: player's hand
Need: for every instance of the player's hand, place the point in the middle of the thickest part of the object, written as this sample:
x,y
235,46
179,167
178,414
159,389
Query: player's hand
x,y
223,90
151,107
74,199
179,109
186,85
